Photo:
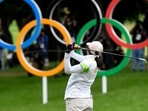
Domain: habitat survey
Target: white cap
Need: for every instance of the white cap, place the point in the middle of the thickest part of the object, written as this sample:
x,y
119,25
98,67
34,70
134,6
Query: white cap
x,y
95,46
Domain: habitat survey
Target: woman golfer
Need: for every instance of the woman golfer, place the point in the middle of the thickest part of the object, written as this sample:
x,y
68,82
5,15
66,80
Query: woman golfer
x,y
78,91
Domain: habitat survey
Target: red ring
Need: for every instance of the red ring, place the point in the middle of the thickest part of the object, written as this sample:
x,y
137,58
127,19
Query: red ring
x,y
112,33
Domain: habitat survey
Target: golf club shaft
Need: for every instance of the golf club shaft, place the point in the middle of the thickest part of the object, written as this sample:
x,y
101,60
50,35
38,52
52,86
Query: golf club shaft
x,y
110,53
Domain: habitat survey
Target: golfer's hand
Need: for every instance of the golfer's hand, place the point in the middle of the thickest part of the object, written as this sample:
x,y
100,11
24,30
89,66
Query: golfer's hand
x,y
69,48
76,46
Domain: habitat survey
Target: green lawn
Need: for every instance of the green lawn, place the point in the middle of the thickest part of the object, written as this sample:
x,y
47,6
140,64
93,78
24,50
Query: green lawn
x,y
127,91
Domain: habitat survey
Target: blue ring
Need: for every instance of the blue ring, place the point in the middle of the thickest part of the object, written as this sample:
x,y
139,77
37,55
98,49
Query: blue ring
x,y
37,30
1,1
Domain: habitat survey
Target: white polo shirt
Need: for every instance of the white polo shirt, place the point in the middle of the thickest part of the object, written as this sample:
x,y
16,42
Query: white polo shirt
x,y
82,75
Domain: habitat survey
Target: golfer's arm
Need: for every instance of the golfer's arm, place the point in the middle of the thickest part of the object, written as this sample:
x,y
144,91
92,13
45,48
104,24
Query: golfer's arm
x,y
76,56
67,65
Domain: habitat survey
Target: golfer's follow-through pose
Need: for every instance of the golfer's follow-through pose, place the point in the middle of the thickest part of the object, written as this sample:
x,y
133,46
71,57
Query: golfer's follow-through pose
x,y
78,91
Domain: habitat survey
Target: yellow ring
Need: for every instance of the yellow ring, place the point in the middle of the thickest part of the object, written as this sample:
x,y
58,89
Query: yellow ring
x,y
20,54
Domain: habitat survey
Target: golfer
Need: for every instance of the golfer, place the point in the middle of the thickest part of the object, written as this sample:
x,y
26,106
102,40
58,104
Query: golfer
x,y
78,91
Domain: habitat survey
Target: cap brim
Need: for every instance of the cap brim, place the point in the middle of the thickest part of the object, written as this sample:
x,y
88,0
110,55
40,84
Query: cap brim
x,y
88,43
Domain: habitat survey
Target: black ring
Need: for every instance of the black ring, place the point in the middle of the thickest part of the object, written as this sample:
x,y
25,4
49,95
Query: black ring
x,y
98,14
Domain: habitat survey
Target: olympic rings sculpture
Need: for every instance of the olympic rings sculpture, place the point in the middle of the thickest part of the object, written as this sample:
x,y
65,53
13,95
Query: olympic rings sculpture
x,y
107,20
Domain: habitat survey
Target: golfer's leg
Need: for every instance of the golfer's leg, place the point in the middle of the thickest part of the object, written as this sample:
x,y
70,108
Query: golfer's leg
x,y
79,104
71,105
89,105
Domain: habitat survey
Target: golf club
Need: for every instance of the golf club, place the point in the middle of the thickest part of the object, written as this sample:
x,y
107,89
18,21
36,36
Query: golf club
x,y
139,59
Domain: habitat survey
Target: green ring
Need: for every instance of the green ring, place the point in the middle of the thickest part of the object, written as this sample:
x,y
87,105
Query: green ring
x,y
118,25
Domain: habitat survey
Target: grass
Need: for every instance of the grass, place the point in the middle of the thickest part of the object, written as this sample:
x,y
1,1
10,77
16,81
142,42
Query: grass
x,y
127,91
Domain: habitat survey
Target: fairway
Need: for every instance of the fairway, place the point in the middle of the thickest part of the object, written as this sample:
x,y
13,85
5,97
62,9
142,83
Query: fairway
x,y
127,91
